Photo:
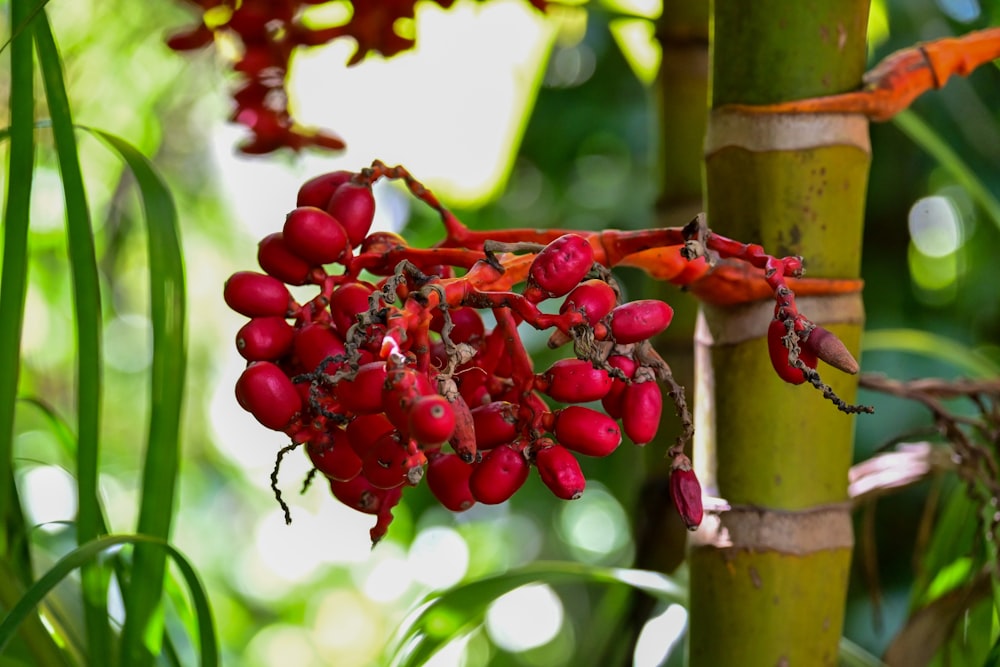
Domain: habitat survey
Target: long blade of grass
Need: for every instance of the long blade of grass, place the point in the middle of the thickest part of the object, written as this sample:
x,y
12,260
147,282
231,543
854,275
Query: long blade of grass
x,y
142,635
13,281
931,345
87,300
459,610
927,138
852,655
207,641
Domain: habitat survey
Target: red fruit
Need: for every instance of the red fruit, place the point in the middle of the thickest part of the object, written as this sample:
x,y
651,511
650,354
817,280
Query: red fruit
x,y
277,259
315,235
264,339
363,394
256,295
314,344
364,431
266,392
594,298
448,479
639,320
559,267
642,404
463,439
495,423
334,457
432,420
318,190
560,471
612,402
346,302
359,494
353,206
574,381
192,38
385,463
776,332
587,431
403,386
685,491
467,325
499,475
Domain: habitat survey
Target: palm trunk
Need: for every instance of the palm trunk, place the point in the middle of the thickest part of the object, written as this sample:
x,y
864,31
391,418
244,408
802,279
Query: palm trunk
x,y
769,587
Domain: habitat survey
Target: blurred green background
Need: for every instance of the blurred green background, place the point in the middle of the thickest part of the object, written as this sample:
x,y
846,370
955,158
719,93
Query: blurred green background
x,y
515,120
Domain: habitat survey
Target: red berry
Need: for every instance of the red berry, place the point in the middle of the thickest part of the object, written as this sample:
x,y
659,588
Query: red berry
x,y
560,471
314,344
587,431
594,298
639,320
334,457
448,479
353,206
642,404
315,235
278,260
264,339
346,302
575,381
612,402
318,190
463,439
685,491
499,475
467,325
364,431
432,420
385,463
495,423
359,494
266,392
776,332
256,295
559,267
363,394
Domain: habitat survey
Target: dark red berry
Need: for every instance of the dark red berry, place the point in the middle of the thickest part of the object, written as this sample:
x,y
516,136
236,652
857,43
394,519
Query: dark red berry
x,y
257,295
353,206
560,471
315,235
587,431
448,479
278,260
264,339
266,392
499,475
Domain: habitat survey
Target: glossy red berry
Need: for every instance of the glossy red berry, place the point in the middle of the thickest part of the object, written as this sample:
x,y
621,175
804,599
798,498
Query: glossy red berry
x,y
495,423
594,298
587,431
365,430
432,420
499,475
612,402
778,353
385,464
448,479
315,235
363,394
264,339
266,392
575,381
346,302
639,320
359,494
353,205
685,491
642,405
278,260
560,471
318,190
257,295
314,344
334,457
559,267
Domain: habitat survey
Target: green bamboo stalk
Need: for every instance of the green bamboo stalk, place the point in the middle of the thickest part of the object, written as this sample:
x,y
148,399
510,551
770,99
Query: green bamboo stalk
x,y
780,453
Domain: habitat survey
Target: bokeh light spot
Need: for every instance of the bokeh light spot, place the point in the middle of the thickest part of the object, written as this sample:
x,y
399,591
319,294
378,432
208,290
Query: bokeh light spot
x,y
525,618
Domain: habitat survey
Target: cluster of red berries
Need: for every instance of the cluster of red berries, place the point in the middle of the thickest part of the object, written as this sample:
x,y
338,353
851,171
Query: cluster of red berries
x,y
268,32
389,372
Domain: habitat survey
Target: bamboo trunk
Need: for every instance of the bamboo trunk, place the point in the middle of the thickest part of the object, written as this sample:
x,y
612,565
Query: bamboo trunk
x,y
768,586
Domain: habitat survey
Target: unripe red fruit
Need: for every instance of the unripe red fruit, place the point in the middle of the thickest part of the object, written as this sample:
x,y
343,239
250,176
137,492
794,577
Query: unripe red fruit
x,y
315,235
364,431
334,457
593,297
354,207
642,404
776,349
575,381
385,464
463,439
359,494
278,260
496,424
318,190
256,295
264,339
639,320
612,402
587,431
560,471
685,491
499,475
467,325
448,479
363,394
559,267
432,420
316,342
266,392
346,302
